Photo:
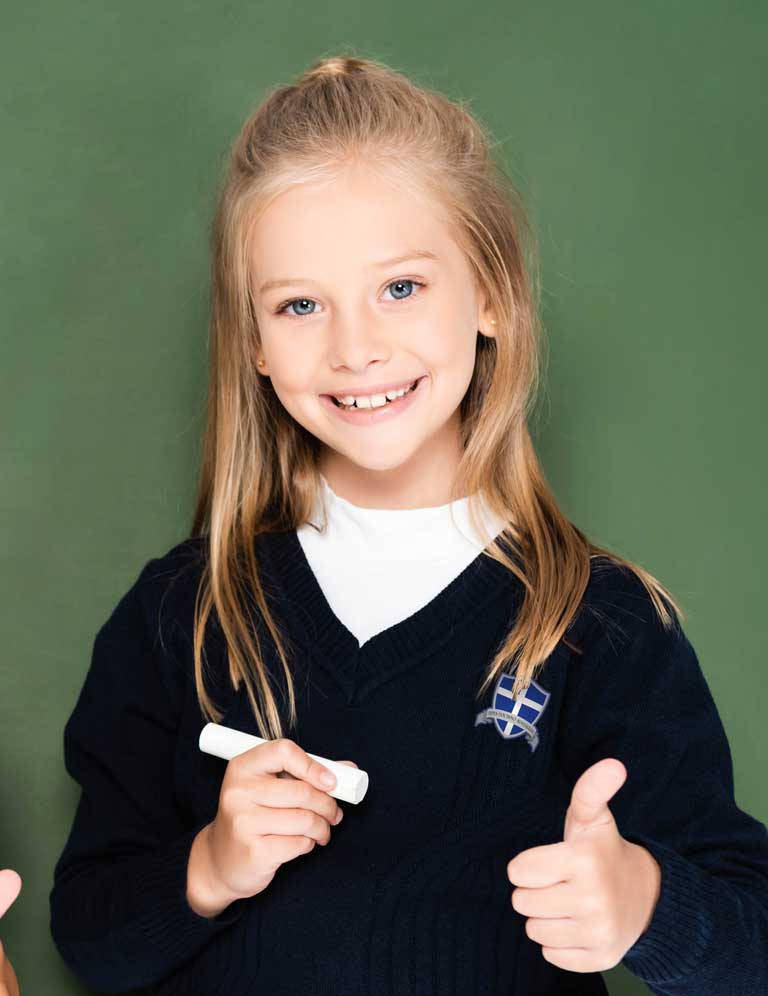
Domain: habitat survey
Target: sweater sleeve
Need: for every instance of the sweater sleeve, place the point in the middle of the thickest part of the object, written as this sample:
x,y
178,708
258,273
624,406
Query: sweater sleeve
x,y
638,694
118,909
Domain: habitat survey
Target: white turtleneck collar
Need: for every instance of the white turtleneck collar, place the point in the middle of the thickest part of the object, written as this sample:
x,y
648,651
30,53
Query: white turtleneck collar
x,y
358,561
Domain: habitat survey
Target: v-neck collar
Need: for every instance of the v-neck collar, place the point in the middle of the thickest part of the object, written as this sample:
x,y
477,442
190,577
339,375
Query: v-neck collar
x,y
356,669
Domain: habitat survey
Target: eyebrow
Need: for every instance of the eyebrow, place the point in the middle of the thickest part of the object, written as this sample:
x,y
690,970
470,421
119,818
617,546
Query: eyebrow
x,y
411,254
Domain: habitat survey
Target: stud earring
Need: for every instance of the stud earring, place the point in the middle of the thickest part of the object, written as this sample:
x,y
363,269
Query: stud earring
x,y
260,363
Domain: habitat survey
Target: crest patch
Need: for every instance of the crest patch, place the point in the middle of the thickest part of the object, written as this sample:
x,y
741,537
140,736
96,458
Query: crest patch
x,y
515,717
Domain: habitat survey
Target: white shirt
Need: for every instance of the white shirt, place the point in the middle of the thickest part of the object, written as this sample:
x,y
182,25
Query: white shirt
x,y
377,566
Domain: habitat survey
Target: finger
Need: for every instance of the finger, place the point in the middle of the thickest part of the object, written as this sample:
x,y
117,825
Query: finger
x,y
542,866
287,822
10,887
285,774
591,794
556,933
560,900
283,754
295,793
574,959
282,848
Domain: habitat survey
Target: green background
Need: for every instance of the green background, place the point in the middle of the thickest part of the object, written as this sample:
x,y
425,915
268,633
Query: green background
x,y
637,136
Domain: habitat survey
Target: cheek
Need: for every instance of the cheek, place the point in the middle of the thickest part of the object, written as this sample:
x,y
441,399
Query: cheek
x,y
451,353
290,384
291,369
296,402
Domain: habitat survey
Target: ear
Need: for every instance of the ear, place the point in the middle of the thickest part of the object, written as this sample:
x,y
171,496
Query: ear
x,y
258,355
485,315
485,319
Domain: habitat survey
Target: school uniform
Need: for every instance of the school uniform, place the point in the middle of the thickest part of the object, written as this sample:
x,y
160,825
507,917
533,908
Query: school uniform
x,y
391,618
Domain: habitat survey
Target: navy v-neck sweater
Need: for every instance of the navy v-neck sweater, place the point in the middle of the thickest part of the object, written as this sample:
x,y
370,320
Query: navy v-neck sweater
x,y
410,897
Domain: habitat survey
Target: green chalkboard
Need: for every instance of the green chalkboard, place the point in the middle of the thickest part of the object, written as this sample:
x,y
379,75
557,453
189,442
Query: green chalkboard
x,y
636,133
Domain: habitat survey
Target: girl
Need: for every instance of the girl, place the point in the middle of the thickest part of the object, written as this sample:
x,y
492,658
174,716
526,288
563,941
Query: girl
x,y
378,570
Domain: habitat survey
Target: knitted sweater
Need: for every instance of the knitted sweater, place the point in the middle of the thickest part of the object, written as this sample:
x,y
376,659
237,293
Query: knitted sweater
x,y
410,896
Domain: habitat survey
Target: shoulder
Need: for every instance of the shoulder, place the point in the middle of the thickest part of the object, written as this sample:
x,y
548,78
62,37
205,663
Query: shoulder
x,y
167,588
176,568
625,652
159,600
138,647
618,609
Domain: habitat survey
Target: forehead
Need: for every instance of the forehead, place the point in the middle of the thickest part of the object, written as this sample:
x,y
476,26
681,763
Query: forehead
x,y
357,219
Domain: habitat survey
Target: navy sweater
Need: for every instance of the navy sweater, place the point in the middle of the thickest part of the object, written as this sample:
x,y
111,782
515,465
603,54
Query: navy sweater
x,y
410,897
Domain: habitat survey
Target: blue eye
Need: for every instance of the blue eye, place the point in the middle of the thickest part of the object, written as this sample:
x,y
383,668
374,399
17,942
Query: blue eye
x,y
296,300
395,283
307,300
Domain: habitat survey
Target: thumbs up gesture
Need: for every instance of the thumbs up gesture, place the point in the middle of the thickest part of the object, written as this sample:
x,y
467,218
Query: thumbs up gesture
x,y
589,898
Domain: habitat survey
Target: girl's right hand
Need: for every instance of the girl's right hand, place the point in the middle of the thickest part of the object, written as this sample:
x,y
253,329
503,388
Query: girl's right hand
x,y
262,821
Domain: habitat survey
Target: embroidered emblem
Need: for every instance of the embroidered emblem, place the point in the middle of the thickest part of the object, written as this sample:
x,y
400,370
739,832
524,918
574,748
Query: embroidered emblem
x,y
515,717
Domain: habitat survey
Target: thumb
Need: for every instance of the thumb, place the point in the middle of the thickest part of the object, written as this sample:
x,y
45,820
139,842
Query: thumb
x,y
10,887
590,797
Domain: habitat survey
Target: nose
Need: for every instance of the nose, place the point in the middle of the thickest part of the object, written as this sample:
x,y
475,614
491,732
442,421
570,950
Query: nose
x,y
357,341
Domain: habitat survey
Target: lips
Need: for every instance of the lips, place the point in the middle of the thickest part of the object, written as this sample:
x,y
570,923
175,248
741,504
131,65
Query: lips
x,y
390,401
372,391
377,415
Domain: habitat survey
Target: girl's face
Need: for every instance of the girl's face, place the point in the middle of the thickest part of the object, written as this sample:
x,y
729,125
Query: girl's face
x,y
351,323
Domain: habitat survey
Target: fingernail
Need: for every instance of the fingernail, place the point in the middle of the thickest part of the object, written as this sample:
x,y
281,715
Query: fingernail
x,y
328,779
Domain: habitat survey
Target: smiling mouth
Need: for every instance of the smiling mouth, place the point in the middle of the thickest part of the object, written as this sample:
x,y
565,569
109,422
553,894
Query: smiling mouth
x,y
370,408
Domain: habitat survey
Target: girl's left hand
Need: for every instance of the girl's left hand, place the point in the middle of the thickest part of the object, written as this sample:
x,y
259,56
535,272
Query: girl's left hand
x,y
589,898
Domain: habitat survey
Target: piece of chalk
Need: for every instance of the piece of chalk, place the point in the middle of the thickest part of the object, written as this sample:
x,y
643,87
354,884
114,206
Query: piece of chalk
x,y
222,741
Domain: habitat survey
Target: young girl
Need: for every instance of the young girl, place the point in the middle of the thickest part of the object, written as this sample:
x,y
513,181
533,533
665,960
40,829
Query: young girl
x,y
378,571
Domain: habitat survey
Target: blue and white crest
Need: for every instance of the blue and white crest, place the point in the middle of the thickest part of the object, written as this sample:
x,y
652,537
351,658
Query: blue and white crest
x,y
516,717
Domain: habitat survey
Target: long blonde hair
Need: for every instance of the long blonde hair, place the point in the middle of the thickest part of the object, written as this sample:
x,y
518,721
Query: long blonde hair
x,y
259,470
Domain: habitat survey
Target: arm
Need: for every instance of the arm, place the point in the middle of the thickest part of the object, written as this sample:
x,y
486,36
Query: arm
x,y
9,985
638,694
119,910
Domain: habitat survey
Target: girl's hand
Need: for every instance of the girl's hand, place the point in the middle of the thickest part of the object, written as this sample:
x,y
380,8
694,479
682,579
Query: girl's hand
x,y
589,898
10,886
262,821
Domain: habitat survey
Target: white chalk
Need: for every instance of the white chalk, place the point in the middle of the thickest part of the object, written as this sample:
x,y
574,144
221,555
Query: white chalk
x,y
222,741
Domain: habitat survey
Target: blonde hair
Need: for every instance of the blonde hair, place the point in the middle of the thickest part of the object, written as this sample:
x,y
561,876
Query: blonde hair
x,y
259,470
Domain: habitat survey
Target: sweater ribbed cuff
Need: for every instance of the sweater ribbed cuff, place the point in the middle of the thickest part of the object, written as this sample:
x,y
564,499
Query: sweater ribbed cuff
x,y
682,923
158,895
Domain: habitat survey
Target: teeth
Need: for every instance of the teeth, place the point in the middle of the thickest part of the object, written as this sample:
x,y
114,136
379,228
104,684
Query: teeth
x,y
375,400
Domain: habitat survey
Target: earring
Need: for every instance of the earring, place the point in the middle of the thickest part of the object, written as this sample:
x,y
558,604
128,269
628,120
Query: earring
x,y
260,363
